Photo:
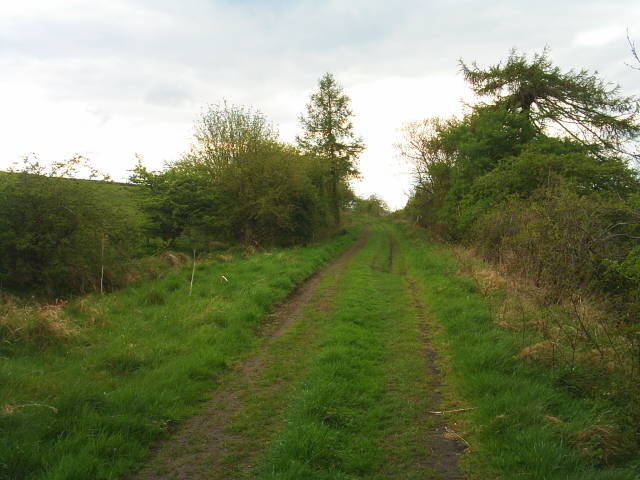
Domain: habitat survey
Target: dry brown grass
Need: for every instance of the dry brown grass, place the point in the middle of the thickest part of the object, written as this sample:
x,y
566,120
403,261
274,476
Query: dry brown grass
x,y
605,444
575,329
541,352
224,257
91,312
34,324
175,259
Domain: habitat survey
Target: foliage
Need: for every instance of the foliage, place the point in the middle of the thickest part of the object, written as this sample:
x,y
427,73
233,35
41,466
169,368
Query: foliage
x,y
537,181
556,237
546,163
580,104
226,137
373,206
174,200
328,134
432,160
57,232
237,184
448,156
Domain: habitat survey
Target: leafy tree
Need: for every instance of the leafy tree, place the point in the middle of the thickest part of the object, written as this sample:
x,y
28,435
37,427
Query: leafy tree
x,y
238,183
373,206
328,133
423,147
432,158
229,141
537,180
175,200
225,137
579,104
450,155
546,164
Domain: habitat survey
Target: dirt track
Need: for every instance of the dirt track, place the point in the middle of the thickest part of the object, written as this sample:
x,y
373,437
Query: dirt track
x,y
209,445
247,408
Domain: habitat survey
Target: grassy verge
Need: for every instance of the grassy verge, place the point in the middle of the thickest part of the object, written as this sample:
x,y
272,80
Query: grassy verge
x,y
526,423
90,403
356,414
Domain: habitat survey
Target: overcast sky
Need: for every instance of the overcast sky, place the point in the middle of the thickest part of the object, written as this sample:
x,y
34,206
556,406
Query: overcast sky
x,y
113,78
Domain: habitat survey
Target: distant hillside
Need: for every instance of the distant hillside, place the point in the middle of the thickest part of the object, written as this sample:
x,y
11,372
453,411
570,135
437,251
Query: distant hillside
x,y
119,194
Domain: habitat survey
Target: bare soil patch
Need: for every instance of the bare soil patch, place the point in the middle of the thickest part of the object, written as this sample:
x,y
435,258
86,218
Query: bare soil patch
x,y
444,445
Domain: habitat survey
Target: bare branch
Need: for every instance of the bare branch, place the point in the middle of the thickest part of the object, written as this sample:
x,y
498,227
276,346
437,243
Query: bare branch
x,y
634,52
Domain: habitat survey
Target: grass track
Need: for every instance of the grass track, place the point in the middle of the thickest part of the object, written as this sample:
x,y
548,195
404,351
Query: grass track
x,y
223,440
360,410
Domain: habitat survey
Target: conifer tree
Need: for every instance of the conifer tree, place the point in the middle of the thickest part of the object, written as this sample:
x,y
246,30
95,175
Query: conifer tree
x,y
579,104
328,133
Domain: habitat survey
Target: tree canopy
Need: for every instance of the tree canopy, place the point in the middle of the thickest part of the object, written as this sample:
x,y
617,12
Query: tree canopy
x,y
237,184
328,133
536,176
579,104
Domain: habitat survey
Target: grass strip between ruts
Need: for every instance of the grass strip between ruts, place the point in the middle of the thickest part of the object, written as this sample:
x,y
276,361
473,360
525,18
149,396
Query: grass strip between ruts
x,y
362,390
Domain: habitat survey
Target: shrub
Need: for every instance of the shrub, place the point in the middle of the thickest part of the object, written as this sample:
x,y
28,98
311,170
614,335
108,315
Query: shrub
x,y
59,234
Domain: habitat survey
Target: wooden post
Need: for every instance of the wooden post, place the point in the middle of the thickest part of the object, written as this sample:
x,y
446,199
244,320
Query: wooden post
x,y
193,272
102,267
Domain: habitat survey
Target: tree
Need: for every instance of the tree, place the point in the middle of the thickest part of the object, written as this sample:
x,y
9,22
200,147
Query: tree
x,y
432,159
374,206
229,141
422,147
238,183
579,104
328,133
225,136
175,200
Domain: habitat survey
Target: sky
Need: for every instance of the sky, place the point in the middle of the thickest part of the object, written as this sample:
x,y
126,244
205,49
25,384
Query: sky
x,y
115,78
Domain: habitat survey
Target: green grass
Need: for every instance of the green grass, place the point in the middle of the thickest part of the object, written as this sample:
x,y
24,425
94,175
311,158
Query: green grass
x,y
354,393
525,423
260,399
357,412
145,358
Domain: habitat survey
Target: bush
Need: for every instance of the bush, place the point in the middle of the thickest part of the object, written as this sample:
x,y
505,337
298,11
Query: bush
x,y
556,238
59,234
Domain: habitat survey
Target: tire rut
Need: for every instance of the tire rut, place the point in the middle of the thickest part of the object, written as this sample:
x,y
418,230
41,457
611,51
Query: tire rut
x,y
444,446
205,446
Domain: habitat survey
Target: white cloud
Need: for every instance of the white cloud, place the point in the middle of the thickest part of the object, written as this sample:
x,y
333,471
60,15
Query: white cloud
x,y
600,36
